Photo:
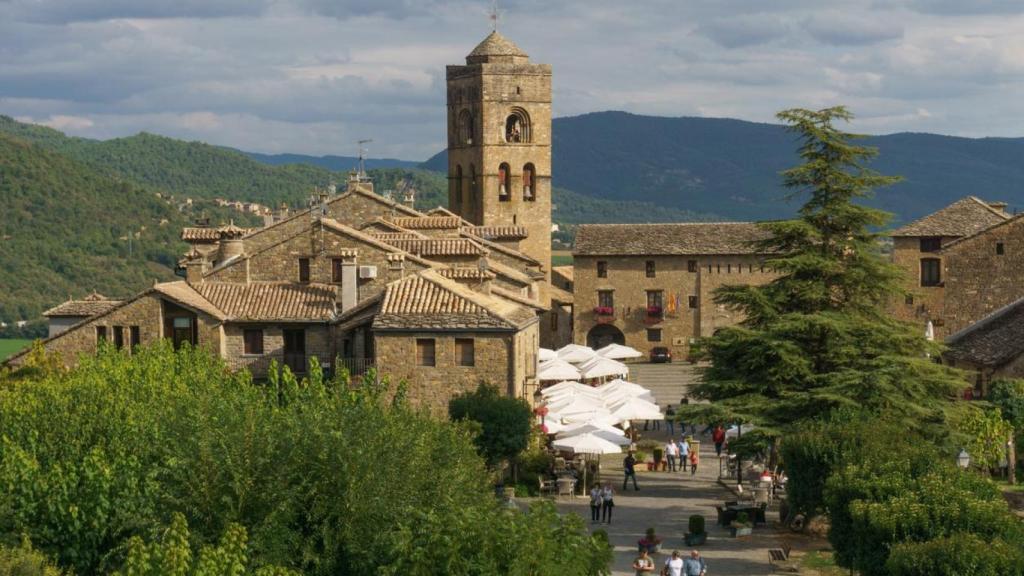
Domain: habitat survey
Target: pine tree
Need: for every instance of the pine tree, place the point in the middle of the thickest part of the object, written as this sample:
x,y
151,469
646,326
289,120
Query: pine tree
x,y
818,338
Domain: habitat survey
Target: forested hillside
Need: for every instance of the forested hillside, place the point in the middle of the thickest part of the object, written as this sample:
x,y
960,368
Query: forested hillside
x,y
730,167
65,228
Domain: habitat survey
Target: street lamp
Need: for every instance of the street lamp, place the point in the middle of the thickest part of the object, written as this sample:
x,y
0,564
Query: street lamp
x,y
963,459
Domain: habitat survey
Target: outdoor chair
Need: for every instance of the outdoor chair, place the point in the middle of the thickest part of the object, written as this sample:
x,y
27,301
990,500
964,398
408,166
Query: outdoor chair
x,y
547,487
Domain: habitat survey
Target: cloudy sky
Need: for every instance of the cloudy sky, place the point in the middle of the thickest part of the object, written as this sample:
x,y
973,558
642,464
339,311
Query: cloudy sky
x,y
313,76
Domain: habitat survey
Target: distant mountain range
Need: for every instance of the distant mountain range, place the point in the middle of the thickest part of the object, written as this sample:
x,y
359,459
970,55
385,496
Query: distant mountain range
x,y
731,167
335,163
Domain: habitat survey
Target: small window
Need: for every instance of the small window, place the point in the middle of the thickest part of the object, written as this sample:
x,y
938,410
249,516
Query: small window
x,y
692,301
303,269
654,334
602,269
930,273
655,299
136,338
728,268
465,354
650,269
606,298
118,337
336,268
909,299
554,321
691,265
253,342
999,249
425,352
101,333
931,244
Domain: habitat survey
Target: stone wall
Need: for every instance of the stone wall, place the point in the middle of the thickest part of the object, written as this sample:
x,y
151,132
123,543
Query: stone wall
x,y
978,280
627,278
145,312
924,302
557,332
319,343
433,386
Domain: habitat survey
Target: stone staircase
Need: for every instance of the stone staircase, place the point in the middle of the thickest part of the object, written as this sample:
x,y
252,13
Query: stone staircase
x,y
668,382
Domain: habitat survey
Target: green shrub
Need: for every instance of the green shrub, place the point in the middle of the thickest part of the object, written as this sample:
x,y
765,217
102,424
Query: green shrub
x,y
957,555
696,525
505,424
25,561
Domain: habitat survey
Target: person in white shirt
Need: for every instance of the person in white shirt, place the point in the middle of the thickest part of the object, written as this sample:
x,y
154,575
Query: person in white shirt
x,y
671,453
595,504
674,565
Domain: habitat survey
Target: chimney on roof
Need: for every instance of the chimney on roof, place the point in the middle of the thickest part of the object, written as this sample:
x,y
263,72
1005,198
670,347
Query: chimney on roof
x,y
231,245
999,206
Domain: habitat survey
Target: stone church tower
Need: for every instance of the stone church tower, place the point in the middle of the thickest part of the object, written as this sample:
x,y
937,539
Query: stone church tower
x,y
499,142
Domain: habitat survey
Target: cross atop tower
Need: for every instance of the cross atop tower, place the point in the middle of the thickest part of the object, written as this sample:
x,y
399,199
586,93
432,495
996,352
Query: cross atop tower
x,y
494,15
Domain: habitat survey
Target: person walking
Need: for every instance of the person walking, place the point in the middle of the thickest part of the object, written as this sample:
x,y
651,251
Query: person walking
x,y
629,469
595,504
670,420
644,564
684,453
718,437
607,503
694,565
673,565
694,460
672,454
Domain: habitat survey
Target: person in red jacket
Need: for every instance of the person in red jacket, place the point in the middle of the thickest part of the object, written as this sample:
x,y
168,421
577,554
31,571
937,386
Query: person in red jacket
x,y
718,437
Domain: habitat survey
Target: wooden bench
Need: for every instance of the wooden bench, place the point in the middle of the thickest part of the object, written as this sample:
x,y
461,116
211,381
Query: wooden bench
x,y
779,558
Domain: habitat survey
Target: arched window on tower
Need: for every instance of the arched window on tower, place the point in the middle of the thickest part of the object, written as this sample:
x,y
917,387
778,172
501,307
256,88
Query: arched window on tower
x,y
504,182
529,183
457,187
472,182
517,126
466,128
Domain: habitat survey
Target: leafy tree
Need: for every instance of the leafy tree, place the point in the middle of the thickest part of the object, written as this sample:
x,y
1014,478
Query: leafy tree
x,y
1008,396
956,555
25,561
817,338
313,475
504,423
986,434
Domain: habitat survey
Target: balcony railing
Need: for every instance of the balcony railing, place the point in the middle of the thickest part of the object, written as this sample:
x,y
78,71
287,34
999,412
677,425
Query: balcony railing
x,y
655,312
356,366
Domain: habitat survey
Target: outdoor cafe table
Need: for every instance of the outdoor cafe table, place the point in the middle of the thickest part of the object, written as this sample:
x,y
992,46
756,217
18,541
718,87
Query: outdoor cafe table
x,y
567,485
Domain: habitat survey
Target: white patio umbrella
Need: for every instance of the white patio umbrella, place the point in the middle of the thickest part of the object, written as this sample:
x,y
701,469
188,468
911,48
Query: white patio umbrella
x,y
603,367
619,396
564,388
587,444
575,404
545,354
636,409
614,438
621,385
619,352
557,370
553,425
575,353
593,426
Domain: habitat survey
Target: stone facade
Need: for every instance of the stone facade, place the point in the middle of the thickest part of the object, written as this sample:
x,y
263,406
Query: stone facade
x,y
924,301
318,343
984,273
687,284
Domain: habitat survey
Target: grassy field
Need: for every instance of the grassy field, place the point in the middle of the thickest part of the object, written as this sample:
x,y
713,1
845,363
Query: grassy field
x,y
10,346
561,258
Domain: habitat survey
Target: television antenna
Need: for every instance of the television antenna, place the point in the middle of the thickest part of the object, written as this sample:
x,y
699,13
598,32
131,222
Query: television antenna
x,y
361,175
494,15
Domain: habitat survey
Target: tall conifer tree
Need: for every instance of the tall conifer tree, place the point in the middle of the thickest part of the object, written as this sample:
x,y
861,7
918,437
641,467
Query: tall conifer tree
x,y
818,337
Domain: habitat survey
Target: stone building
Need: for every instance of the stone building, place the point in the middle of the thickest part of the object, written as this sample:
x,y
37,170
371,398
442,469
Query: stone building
x,y
991,348
71,312
445,300
652,285
919,248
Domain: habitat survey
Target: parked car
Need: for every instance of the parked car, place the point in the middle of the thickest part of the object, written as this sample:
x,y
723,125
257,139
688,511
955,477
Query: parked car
x,y
660,355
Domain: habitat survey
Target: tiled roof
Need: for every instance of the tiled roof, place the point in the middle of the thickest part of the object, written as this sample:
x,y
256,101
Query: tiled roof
x,y
266,301
560,296
566,272
668,239
391,236
518,298
91,305
183,293
200,234
428,222
513,274
442,211
439,247
992,341
961,218
466,274
498,232
965,240
499,248
496,45
429,301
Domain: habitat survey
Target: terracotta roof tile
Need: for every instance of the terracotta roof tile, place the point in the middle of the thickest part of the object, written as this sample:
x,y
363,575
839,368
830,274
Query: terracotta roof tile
x,y
961,218
668,239
430,301
439,247
466,274
494,45
498,232
91,305
392,236
428,222
992,341
266,301
499,248
200,234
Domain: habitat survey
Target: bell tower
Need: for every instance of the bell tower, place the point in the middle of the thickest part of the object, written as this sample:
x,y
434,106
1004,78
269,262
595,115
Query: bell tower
x,y
499,142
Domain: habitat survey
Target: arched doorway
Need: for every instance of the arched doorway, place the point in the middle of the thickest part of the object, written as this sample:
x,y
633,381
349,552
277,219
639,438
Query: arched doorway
x,y
603,335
